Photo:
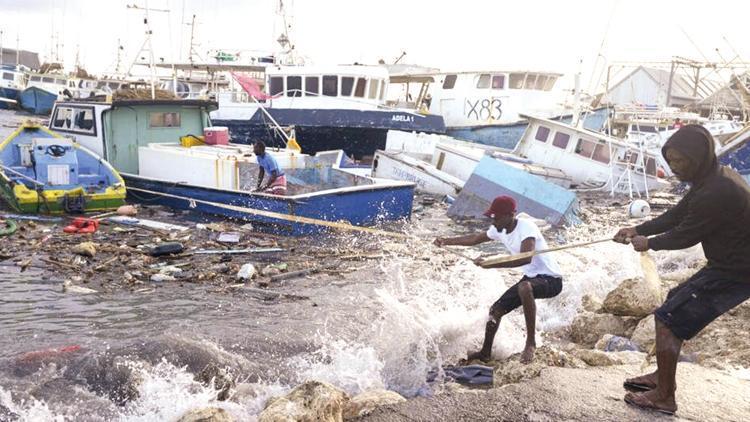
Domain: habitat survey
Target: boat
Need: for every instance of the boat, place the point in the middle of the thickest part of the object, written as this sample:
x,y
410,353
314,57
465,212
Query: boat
x,y
37,100
11,85
486,106
146,141
43,172
329,108
441,165
736,153
593,160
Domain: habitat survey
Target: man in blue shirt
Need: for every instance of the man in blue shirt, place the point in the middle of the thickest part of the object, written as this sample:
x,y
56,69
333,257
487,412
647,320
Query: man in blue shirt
x,y
276,184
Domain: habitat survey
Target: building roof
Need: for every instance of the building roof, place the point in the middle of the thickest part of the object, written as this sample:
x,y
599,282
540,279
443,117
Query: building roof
x,y
730,95
682,87
26,58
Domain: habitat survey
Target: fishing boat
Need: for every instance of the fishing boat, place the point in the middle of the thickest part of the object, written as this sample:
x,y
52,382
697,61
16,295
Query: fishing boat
x,y
11,85
736,153
146,141
329,108
43,172
487,106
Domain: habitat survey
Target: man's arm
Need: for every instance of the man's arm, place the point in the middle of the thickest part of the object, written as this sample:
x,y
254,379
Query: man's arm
x,y
272,178
468,240
261,175
667,221
528,245
703,216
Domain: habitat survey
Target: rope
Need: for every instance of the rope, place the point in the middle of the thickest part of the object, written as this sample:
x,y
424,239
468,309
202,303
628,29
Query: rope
x,y
271,214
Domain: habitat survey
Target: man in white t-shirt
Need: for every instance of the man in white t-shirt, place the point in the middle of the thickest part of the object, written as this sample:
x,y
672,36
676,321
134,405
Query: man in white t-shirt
x,y
541,275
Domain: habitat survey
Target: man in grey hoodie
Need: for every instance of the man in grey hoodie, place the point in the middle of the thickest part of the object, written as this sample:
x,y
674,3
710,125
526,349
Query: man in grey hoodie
x,y
715,213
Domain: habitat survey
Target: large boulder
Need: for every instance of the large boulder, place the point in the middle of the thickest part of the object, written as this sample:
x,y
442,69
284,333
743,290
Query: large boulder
x,y
600,358
313,401
587,328
208,414
644,334
634,297
366,402
512,371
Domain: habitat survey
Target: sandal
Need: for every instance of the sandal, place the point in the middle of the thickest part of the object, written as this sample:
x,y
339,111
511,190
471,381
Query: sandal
x,y
643,403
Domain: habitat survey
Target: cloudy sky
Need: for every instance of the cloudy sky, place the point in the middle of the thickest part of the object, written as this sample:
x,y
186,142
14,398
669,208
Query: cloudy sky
x,y
552,35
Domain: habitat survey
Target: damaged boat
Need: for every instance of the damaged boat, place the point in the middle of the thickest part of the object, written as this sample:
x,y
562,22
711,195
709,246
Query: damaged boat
x,y
43,172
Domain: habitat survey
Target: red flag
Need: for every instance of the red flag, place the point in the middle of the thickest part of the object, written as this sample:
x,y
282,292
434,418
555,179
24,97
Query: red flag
x,y
250,86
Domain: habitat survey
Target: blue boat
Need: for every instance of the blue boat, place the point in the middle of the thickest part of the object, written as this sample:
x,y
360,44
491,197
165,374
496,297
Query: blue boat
x,y
736,153
507,136
37,100
142,140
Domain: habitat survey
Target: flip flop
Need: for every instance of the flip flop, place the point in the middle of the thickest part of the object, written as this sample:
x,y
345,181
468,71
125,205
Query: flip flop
x,y
637,386
645,404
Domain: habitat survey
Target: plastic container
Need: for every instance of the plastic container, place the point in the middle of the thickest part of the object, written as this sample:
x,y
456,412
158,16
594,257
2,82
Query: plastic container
x,y
216,135
191,141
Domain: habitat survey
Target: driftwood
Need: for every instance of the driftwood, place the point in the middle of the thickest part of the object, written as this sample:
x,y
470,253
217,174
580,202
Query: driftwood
x,y
301,273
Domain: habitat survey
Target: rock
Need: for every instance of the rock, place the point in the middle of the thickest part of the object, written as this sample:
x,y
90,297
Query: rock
x,y
271,270
512,370
366,402
610,343
247,272
633,297
590,303
645,334
600,358
208,414
311,401
85,249
218,378
589,327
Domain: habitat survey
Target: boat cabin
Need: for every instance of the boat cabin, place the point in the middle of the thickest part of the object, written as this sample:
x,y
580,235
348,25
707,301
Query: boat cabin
x,y
484,97
11,77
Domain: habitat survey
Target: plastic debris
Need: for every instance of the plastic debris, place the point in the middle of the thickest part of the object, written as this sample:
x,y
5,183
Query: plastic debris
x,y
247,272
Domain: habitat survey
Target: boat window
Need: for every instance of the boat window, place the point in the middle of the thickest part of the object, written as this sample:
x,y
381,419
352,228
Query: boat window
x,y
374,83
585,148
633,159
166,119
294,86
483,81
60,81
276,85
359,91
561,140
516,80
36,78
542,133
63,118
601,153
84,120
530,82
651,166
550,83
498,81
48,80
382,90
8,76
312,86
541,80
449,82
347,83
330,85
642,128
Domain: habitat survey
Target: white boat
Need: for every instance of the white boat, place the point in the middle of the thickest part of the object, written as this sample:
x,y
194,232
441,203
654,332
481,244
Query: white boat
x,y
591,159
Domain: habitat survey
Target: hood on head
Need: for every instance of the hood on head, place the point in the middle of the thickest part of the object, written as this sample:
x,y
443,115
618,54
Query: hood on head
x,y
696,143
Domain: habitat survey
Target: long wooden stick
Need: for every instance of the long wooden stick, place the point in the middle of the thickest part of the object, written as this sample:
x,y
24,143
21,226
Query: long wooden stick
x,y
500,259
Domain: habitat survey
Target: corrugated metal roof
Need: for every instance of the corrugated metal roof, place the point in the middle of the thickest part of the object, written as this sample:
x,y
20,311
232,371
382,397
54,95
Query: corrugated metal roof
x,y
26,58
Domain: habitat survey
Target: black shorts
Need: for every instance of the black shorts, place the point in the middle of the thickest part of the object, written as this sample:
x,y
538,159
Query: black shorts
x,y
701,299
543,286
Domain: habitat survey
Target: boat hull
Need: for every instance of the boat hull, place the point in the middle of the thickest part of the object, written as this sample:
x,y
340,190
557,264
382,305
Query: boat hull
x,y
363,206
9,94
358,132
36,100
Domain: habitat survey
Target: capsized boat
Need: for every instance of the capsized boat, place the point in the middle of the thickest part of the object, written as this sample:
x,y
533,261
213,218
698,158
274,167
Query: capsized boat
x,y
43,172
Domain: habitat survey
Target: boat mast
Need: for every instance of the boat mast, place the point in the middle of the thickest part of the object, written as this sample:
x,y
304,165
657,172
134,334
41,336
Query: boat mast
x,y
147,45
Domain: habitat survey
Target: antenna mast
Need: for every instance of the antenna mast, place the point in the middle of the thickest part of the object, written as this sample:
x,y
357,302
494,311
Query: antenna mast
x,y
147,45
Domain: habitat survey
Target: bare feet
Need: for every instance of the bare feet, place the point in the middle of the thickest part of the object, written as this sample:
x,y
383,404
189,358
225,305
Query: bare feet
x,y
480,355
643,382
528,353
650,400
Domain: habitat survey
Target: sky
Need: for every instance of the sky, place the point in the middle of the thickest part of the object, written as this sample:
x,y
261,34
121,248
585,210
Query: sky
x,y
563,36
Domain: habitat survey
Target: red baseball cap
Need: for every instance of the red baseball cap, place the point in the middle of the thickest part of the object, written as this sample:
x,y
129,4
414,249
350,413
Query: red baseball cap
x,y
502,205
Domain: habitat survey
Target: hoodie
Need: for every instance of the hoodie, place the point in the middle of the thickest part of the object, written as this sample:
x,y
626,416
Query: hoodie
x,y
715,211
